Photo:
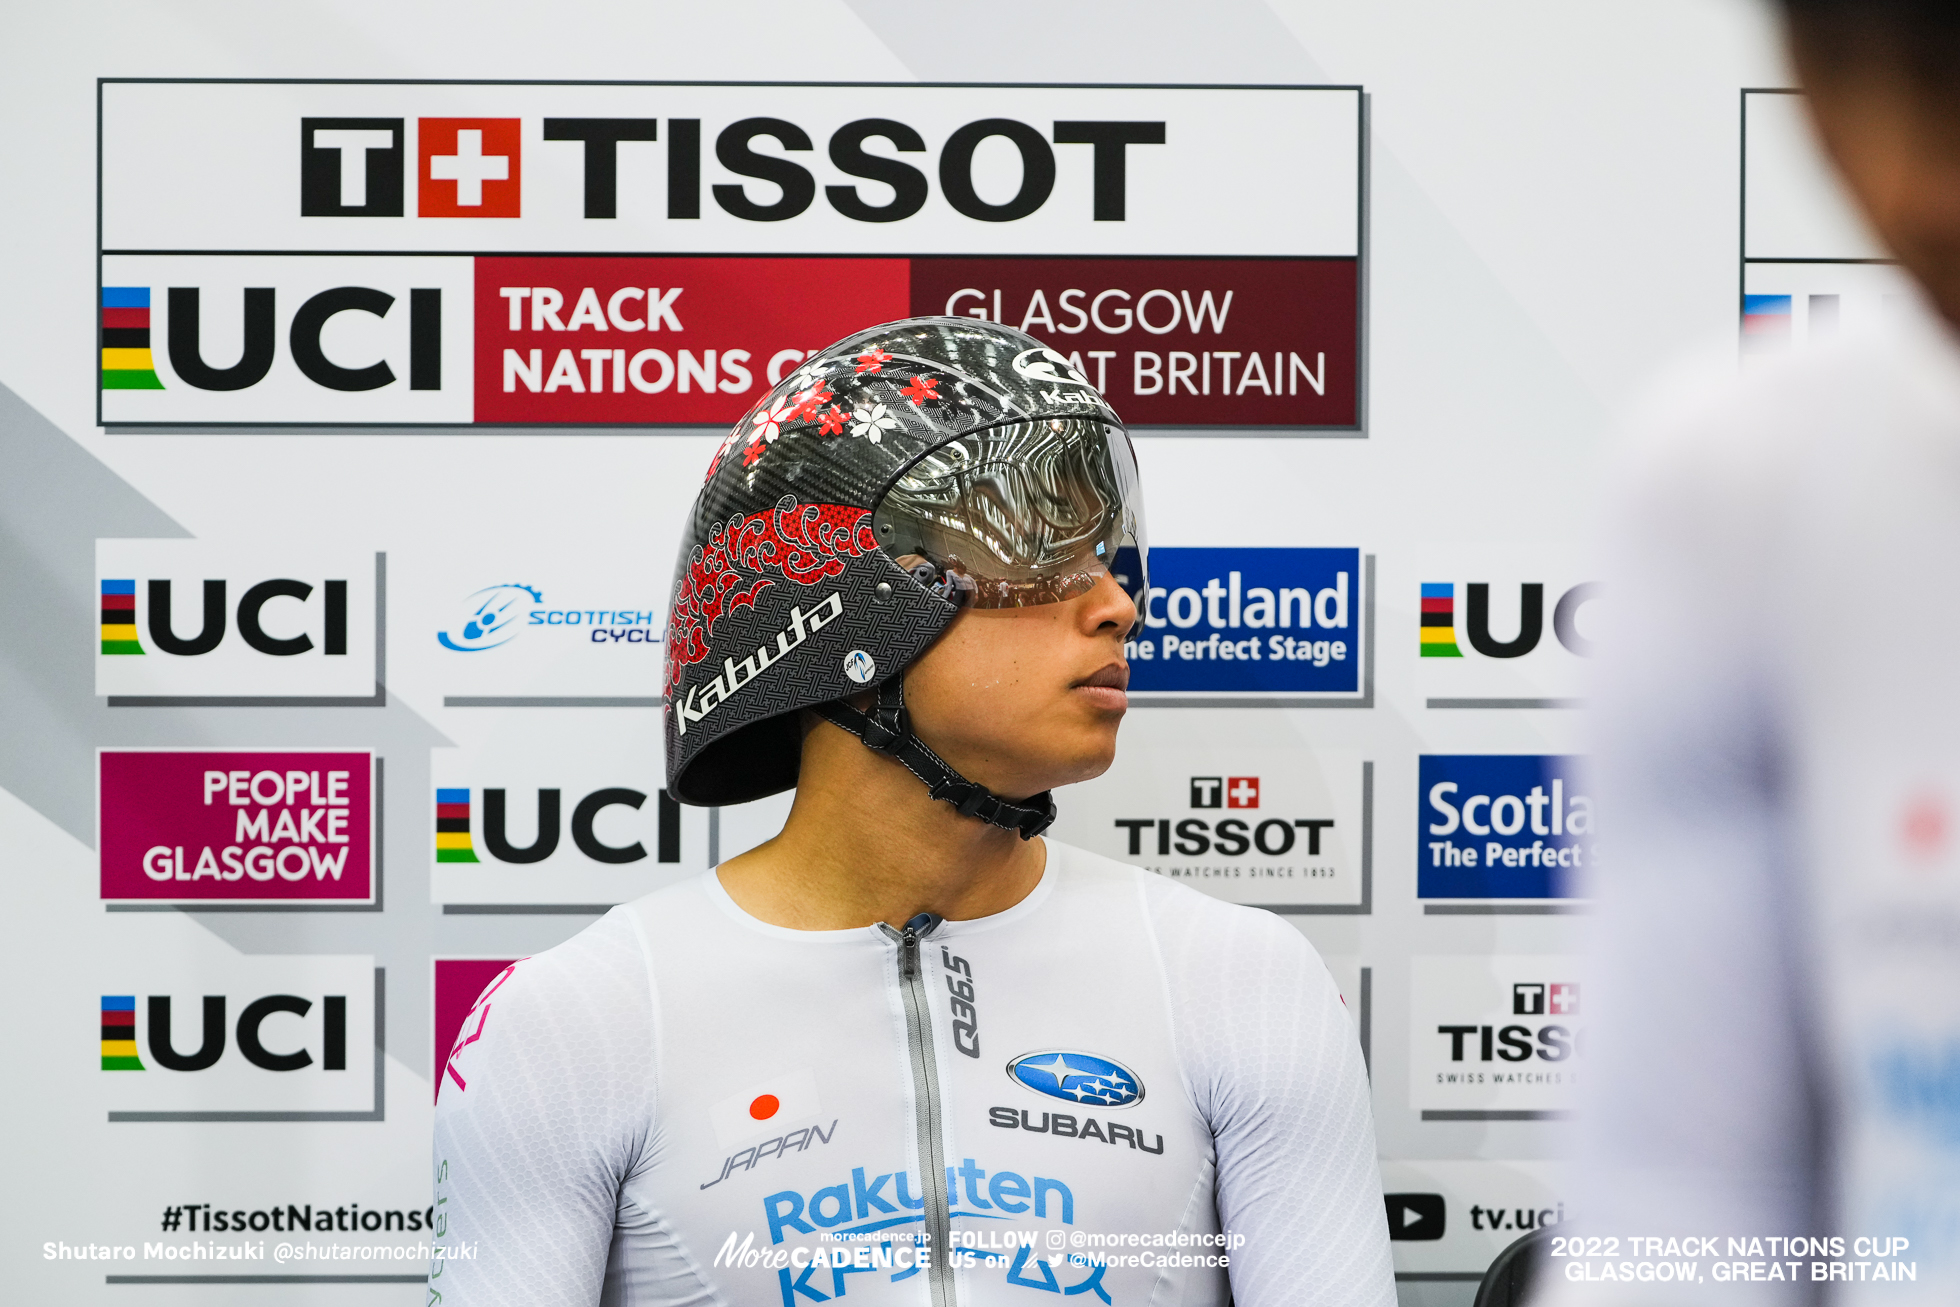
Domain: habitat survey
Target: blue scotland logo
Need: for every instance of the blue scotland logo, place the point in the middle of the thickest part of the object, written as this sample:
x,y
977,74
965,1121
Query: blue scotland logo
x,y
1077,1078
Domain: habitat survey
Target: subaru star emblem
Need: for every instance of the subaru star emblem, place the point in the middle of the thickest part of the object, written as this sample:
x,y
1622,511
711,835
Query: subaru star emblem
x,y
1077,1078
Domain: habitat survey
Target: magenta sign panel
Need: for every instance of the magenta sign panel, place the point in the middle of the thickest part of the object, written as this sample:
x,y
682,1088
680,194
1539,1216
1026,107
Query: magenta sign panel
x,y
236,826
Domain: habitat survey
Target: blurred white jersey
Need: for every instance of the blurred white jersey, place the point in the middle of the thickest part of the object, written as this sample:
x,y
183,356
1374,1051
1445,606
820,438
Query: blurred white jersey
x,y
1077,1097
1777,1035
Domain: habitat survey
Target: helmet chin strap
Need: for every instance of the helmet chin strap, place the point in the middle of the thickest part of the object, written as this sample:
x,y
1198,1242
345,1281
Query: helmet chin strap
x,y
887,729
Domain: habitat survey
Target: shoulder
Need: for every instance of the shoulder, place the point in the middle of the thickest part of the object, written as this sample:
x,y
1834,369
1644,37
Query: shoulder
x,y
1194,932
1712,435
590,991
605,961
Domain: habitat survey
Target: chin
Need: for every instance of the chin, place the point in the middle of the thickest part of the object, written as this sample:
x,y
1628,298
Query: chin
x,y
1090,763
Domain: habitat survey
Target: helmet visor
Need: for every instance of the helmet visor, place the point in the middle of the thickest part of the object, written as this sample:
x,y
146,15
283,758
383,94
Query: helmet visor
x,y
1028,513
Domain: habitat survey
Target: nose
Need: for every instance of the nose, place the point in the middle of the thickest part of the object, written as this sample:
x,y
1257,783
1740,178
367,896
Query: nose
x,y
1108,605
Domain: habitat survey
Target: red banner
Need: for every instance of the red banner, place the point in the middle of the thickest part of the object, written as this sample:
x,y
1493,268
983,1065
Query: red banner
x,y
1171,342
661,340
1177,342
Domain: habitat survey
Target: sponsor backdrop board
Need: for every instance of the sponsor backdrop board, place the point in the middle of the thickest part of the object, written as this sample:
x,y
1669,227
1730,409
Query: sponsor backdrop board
x,y
1811,268
359,439
568,810
1454,1216
1286,829
1237,305
182,619
1495,1036
237,826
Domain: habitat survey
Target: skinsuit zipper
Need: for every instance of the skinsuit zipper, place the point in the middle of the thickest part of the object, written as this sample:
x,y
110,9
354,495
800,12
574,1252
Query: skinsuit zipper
x,y
925,1092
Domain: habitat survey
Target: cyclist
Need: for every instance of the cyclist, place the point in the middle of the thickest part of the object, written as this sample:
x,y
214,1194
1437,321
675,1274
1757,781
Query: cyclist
x,y
909,1051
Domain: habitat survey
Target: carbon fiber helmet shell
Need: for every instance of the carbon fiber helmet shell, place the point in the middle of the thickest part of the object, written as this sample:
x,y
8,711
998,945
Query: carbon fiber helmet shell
x,y
782,598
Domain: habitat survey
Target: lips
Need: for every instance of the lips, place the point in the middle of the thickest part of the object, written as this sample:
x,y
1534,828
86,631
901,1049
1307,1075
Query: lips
x,y
1116,676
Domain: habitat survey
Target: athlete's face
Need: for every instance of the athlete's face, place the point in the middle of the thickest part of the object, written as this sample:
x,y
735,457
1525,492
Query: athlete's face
x,y
1024,699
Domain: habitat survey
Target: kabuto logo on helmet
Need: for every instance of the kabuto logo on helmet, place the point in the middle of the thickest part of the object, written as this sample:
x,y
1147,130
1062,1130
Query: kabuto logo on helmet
x,y
901,474
1044,366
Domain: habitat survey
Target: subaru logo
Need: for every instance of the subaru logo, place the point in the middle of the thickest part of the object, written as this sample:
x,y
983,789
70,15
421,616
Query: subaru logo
x,y
1077,1078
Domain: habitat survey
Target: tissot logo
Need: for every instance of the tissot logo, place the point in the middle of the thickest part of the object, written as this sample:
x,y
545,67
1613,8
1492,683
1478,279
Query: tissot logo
x,y
1493,1033
1534,998
1262,825
191,617
1224,791
350,167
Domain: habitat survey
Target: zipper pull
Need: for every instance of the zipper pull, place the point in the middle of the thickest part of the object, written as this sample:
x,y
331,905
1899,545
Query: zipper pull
x,y
909,942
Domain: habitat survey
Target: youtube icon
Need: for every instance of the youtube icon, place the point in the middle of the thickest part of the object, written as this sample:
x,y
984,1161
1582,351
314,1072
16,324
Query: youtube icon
x,y
1415,1216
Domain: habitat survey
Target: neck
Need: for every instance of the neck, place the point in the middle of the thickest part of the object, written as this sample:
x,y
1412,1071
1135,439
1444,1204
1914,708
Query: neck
x,y
865,844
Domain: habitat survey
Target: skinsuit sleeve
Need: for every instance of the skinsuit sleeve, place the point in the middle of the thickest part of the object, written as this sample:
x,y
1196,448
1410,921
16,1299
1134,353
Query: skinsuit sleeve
x,y
542,1113
1273,1063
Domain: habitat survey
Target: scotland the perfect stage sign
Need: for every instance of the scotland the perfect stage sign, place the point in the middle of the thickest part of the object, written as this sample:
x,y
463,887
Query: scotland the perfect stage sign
x,y
1503,826
1221,624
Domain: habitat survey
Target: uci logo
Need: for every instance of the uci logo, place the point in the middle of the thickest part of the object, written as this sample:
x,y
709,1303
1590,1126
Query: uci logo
x,y
120,632
120,1051
1077,1078
455,840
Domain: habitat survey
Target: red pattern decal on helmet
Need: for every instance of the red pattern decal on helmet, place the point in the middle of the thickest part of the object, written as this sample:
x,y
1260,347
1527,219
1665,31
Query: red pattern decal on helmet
x,y
804,543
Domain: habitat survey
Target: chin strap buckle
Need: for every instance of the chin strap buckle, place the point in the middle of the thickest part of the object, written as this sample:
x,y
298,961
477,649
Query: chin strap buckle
x,y
887,729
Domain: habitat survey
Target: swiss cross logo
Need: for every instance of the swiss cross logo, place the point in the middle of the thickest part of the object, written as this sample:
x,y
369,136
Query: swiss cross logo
x,y
470,167
1242,792
1207,791
1565,1000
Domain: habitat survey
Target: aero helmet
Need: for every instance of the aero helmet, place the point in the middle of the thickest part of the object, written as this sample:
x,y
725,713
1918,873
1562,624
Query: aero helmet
x,y
903,473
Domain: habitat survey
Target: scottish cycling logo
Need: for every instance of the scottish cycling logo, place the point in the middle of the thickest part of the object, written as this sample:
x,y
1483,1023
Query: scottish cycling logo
x,y
493,617
236,825
1250,620
1077,1078
497,614
1502,826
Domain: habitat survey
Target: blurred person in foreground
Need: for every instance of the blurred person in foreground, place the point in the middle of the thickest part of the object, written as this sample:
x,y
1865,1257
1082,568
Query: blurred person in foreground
x,y
1777,1052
